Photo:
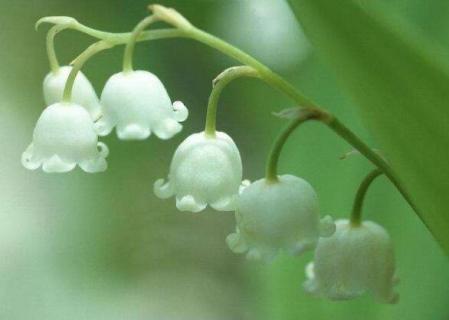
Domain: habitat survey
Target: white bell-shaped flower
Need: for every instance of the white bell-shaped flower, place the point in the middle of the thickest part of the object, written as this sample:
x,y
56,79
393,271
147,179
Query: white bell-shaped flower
x,y
273,215
354,260
64,136
137,103
205,170
83,93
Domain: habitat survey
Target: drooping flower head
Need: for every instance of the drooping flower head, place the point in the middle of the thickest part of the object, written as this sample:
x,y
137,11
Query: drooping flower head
x,y
83,93
137,103
355,260
273,215
64,136
206,169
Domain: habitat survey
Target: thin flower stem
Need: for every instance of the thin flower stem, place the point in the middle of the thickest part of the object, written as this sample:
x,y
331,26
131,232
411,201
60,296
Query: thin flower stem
x,y
51,52
265,73
219,83
78,64
356,214
303,115
131,44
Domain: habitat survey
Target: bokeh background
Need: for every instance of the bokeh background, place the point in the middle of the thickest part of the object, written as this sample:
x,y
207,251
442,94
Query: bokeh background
x,y
80,246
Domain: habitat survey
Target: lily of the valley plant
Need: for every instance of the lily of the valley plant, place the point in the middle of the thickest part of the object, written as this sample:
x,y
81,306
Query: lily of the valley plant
x,y
276,212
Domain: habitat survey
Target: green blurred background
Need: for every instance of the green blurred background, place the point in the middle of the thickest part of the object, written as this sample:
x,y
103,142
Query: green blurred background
x,y
79,246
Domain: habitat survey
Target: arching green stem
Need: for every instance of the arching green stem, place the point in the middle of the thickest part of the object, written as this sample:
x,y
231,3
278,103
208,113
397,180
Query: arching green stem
x,y
78,64
305,114
51,52
219,83
131,44
184,30
356,214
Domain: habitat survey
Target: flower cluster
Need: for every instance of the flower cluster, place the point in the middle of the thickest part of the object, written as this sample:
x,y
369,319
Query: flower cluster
x,y
273,214
66,133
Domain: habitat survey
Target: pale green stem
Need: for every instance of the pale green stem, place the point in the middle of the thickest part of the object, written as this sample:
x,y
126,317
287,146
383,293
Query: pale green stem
x,y
356,214
129,49
78,64
220,82
51,52
266,74
305,114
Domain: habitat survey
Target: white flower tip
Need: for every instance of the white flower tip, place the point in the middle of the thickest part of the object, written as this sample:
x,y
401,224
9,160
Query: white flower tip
x,y
188,203
94,165
133,132
265,255
327,227
103,149
167,129
162,190
236,243
180,111
302,246
56,165
245,183
103,127
224,204
310,273
27,159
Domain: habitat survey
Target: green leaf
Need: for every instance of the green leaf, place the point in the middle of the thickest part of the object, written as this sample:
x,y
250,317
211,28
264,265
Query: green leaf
x,y
401,88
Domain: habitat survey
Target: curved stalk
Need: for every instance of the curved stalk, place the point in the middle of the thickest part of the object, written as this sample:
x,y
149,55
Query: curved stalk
x,y
219,83
78,64
356,214
51,52
305,114
129,49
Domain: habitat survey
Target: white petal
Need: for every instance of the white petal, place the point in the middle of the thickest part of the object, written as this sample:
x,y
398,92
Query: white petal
x,y
188,203
83,92
103,126
163,190
302,246
102,149
181,111
266,254
57,165
29,160
245,183
167,129
310,273
224,204
236,243
94,165
327,226
133,132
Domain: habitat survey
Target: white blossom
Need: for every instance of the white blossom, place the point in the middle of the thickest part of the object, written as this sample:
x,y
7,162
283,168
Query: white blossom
x,y
205,170
356,259
83,92
137,103
64,136
273,215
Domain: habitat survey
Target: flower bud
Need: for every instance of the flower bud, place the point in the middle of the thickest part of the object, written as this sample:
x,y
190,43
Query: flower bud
x,y
273,215
64,136
137,103
83,93
356,259
204,170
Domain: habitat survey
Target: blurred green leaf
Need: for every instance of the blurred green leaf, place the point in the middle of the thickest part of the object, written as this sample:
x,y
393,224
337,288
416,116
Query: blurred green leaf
x,y
401,88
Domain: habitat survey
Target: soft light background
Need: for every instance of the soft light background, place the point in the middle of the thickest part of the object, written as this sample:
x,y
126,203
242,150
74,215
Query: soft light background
x,y
79,246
